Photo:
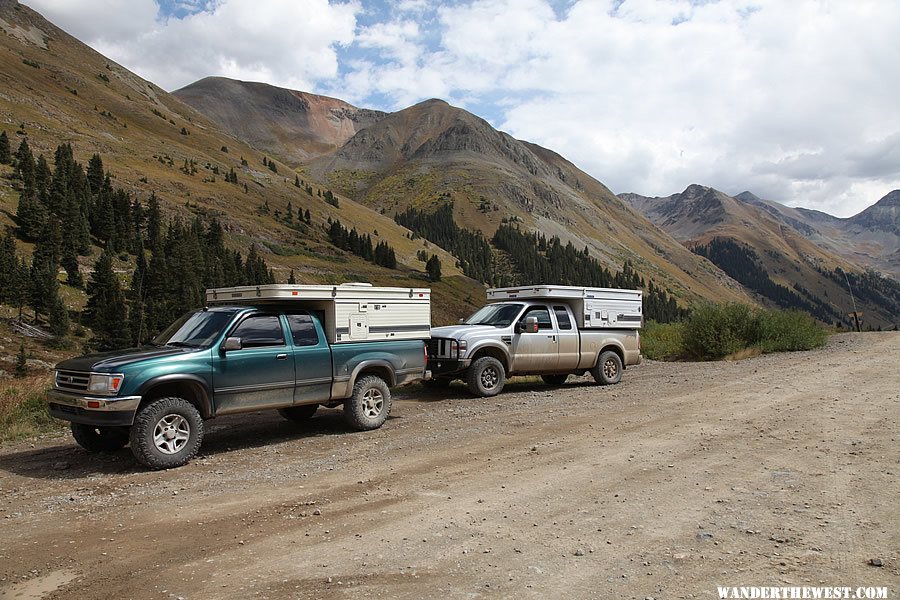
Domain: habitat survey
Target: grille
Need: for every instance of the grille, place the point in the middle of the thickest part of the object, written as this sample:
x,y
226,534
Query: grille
x,y
72,380
440,348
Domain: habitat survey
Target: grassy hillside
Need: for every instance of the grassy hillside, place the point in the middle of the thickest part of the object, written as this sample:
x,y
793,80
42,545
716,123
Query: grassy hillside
x,y
56,89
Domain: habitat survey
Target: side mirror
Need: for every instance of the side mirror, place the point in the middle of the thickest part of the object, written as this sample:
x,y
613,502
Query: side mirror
x,y
232,343
461,320
529,325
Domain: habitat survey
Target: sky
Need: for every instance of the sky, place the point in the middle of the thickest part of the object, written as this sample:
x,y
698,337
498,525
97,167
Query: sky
x,y
794,100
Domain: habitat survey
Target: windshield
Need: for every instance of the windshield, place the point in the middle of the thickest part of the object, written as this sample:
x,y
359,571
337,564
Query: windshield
x,y
498,315
195,329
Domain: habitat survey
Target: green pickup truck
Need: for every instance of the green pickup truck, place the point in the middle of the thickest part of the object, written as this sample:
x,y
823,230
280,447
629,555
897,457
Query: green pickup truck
x,y
265,350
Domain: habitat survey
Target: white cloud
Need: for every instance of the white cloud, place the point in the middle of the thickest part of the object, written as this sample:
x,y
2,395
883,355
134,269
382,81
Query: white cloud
x,y
795,101
284,42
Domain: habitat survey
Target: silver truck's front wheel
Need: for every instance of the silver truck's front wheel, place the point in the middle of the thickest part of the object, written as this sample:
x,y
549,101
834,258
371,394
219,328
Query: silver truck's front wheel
x,y
486,377
166,433
370,404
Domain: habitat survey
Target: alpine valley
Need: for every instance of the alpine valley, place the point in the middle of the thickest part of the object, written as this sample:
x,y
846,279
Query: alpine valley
x,y
326,192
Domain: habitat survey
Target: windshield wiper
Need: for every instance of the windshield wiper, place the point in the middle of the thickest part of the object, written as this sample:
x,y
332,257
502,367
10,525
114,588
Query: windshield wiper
x,y
182,345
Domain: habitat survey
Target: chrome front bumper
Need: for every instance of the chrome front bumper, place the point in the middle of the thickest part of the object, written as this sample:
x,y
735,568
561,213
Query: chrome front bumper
x,y
93,410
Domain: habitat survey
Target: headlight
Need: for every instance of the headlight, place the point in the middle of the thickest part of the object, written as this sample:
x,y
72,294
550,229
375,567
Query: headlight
x,y
458,347
105,384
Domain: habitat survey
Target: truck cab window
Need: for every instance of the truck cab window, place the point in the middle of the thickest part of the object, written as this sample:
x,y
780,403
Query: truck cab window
x,y
260,331
562,317
303,331
542,314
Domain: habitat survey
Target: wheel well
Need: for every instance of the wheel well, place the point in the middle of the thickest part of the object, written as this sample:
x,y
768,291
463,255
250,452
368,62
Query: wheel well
x,y
188,390
381,371
494,353
615,349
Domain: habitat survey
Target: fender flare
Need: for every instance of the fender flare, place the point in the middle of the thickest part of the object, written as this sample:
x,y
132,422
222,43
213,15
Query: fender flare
x,y
378,363
492,345
204,396
614,345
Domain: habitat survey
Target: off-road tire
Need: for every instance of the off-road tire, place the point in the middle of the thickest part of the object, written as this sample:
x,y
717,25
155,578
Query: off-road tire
x,y
100,439
608,370
369,406
486,377
555,380
150,441
298,414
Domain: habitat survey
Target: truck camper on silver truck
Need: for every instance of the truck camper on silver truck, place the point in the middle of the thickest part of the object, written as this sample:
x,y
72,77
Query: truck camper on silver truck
x,y
547,330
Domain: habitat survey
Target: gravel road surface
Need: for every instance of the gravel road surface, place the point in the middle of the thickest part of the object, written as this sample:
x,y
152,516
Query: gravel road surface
x,y
776,470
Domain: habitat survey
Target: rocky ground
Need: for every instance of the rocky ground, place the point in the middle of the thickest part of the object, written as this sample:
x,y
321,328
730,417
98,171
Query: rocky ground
x,y
781,469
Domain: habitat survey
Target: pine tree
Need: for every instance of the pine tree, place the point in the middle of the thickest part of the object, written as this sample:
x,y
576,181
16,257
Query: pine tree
x,y
45,268
5,153
296,177
433,267
95,174
290,214
58,317
9,268
154,224
105,311
21,362
307,217
291,280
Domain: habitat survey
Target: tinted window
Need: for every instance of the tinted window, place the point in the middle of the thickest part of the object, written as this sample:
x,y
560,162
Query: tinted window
x,y
562,317
302,330
542,314
259,331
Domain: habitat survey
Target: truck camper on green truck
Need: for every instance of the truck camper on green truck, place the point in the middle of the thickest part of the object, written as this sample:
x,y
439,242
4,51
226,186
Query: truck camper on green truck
x,y
287,347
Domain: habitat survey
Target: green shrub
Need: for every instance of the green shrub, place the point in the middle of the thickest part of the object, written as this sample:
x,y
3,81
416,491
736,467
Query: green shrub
x,y
718,330
662,341
787,331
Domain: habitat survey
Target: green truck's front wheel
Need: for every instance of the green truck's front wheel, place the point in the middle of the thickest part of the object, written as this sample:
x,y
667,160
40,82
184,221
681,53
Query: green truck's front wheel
x,y
166,433
370,404
100,439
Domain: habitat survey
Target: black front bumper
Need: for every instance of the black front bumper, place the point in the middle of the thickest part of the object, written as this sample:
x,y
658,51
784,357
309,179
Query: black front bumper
x,y
75,414
443,367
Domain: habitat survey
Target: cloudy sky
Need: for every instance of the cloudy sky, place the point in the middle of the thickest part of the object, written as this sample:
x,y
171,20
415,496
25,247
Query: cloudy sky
x,y
795,100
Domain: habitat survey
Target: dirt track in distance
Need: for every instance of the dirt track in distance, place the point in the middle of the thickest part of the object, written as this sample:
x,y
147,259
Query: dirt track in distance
x,y
777,470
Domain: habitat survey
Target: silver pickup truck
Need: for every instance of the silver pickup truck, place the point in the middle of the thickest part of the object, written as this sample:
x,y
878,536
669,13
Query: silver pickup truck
x,y
527,337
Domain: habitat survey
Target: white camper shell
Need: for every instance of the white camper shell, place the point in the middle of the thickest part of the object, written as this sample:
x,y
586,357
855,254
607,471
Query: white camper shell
x,y
594,308
352,312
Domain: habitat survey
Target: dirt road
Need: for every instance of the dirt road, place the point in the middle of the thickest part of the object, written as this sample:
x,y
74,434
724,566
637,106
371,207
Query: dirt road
x,y
782,469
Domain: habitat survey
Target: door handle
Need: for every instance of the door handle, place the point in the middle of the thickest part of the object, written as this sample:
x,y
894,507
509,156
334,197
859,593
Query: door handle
x,y
281,357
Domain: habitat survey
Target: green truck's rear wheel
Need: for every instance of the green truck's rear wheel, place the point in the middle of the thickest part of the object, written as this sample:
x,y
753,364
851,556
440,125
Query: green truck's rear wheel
x,y
370,404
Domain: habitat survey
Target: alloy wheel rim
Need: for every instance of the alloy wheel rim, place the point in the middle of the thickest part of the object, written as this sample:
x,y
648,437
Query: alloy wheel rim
x,y
372,403
171,434
610,368
490,378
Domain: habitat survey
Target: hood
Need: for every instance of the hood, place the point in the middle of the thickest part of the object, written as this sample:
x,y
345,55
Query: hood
x,y
110,362
461,331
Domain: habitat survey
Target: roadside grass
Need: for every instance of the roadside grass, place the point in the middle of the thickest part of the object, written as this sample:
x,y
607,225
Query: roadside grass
x,y
23,408
662,341
731,332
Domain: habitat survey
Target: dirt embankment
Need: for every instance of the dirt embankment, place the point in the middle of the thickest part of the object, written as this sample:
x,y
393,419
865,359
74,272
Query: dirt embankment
x,y
781,469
